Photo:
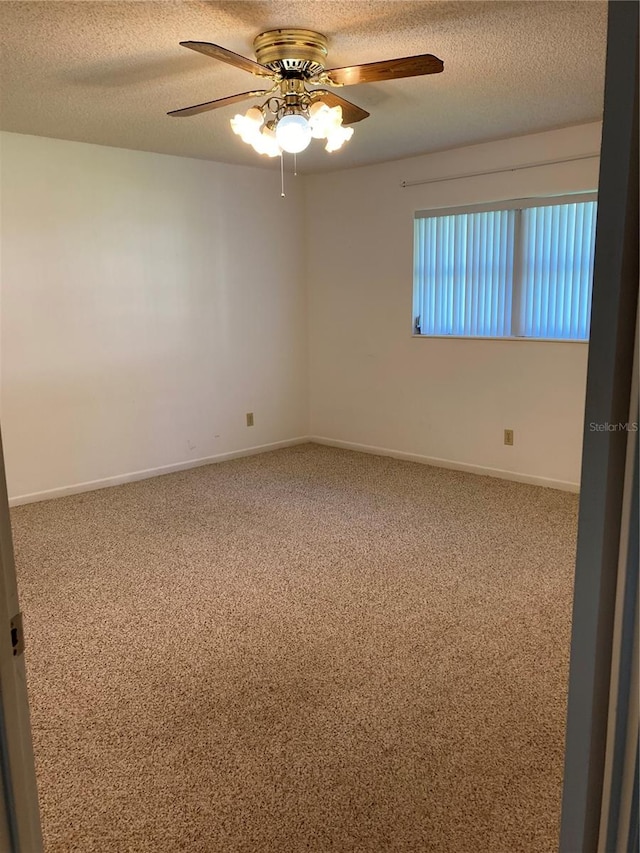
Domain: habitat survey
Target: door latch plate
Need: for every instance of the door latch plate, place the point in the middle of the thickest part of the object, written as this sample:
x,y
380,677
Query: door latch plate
x,y
17,635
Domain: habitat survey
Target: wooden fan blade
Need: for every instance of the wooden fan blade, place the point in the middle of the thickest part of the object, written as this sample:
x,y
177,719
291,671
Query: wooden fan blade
x,y
351,113
390,69
217,52
214,105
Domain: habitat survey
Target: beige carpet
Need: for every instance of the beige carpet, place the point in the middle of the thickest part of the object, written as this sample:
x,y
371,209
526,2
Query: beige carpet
x,y
308,650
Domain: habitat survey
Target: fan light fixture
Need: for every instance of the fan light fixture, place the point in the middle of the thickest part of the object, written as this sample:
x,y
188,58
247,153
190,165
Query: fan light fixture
x,y
280,125
295,112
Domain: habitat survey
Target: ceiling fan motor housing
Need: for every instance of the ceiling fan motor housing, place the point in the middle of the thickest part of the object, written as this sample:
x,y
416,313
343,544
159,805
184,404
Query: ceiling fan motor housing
x,y
294,53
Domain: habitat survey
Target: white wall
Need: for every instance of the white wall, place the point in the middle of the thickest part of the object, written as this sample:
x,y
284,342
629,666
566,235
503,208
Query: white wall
x,y
148,303
372,383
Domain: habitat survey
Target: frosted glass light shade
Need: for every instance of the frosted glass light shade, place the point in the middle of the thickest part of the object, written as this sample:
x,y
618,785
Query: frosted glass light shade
x,y
293,133
247,126
324,119
266,143
337,137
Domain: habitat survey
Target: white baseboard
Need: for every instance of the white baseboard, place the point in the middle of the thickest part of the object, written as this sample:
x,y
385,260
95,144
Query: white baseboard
x,y
132,477
564,485
92,485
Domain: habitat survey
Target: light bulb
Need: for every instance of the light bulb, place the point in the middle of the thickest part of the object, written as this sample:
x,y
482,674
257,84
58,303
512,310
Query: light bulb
x,y
337,137
293,133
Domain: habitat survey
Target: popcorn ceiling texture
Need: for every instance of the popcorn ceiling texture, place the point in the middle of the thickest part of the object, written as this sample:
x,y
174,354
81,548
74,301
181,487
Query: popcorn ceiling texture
x,y
107,72
312,649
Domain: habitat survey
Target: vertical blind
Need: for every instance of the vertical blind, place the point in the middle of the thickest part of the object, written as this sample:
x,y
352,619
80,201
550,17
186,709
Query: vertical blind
x,y
525,272
557,270
465,264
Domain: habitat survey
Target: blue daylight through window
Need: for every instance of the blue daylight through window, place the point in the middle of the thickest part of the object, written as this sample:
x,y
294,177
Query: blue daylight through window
x,y
515,272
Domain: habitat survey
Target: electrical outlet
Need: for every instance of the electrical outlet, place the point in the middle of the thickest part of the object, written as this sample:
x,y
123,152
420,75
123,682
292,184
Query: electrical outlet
x,y
508,437
249,418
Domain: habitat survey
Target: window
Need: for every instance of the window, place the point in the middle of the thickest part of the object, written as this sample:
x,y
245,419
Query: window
x,y
524,270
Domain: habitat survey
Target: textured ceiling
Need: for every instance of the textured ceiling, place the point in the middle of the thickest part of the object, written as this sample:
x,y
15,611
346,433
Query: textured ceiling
x,y
108,72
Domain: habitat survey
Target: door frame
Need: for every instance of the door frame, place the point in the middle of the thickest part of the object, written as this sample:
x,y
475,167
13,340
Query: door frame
x,y
20,818
603,553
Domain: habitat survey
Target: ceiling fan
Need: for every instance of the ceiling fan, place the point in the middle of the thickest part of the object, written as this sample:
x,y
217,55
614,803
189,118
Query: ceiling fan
x,y
293,60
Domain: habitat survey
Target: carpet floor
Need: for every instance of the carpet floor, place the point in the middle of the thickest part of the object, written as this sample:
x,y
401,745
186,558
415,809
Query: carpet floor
x,y
307,650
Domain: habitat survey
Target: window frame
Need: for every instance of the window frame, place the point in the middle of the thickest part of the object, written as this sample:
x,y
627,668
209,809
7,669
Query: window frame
x,y
506,204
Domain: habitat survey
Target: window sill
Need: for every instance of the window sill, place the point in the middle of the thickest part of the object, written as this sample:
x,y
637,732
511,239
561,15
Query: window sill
x,y
502,338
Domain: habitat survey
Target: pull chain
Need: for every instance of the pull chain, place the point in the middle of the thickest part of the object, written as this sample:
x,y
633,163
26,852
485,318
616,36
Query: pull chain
x,y
295,165
282,195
